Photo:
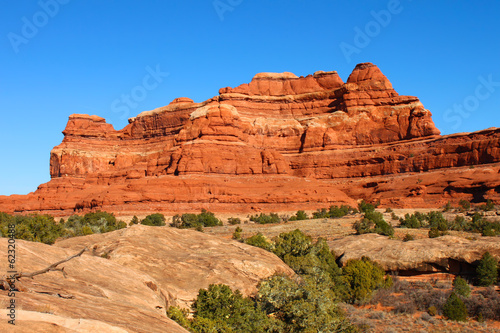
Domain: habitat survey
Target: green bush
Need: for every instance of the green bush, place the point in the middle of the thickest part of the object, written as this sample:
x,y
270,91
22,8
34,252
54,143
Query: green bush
x,y
237,233
415,220
36,228
301,307
437,220
266,219
234,220
366,207
294,243
487,270
434,232
334,212
489,205
458,224
227,311
156,220
312,260
454,308
373,222
465,204
134,220
44,229
461,287
361,278
408,237
180,316
432,310
300,215
204,219
259,240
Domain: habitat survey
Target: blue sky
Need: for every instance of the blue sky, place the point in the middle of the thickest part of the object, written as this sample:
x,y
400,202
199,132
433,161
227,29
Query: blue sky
x,y
60,57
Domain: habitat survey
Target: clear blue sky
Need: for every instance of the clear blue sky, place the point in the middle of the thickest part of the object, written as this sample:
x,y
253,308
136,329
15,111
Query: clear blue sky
x,y
81,56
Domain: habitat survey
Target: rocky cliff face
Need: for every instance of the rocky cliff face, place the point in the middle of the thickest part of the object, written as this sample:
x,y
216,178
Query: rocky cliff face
x,y
278,142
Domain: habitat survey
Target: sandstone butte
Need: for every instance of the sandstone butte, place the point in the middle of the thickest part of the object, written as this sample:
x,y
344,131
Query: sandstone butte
x,y
280,142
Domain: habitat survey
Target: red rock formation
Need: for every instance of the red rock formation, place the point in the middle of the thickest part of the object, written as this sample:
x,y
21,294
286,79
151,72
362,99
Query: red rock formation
x,y
279,142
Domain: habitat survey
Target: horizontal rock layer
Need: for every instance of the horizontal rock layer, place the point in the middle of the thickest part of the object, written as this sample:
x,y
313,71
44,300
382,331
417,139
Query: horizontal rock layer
x,y
278,142
448,254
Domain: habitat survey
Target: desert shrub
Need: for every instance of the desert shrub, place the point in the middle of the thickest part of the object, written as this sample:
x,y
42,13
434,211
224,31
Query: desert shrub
x,y
424,298
156,220
44,229
377,315
265,219
484,305
219,309
237,233
489,205
313,261
408,237
407,307
35,228
465,204
447,207
454,308
343,210
300,215
96,222
234,220
361,278
437,221
180,316
208,219
259,240
301,306
97,218
364,226
334,212
487,270
366,207
134,220
458,224
432,311
384,296
321,214
434,232
389,210
394,217
197,221
415,220
461,287
294,243
373,222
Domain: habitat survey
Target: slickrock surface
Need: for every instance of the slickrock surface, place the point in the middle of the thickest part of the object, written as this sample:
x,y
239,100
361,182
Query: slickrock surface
x,y
146,270
98,295
278,142
450,254
181,262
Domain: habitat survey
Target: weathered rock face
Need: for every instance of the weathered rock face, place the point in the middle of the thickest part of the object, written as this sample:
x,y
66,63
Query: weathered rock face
x,y
277,142
448,254
98,295
147,270
184,261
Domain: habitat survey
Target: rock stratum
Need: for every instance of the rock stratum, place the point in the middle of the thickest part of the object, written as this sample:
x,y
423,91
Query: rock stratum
x,y
280,142
449,254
